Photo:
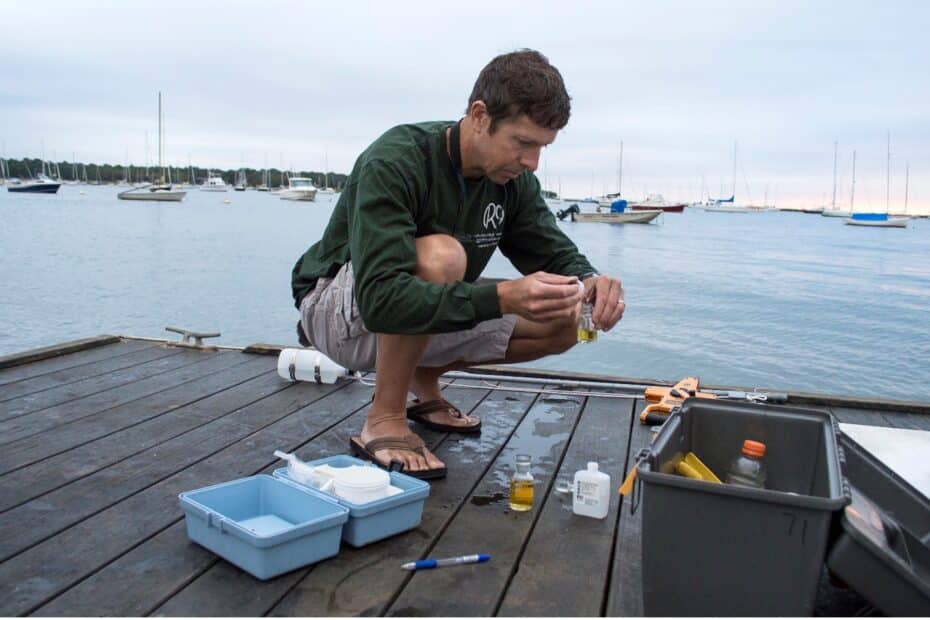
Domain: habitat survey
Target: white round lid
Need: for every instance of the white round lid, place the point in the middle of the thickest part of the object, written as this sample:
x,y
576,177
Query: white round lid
x,y
362,477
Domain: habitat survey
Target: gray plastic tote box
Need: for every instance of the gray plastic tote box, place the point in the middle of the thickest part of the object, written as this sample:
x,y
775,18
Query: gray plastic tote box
x,y
722,550
883,550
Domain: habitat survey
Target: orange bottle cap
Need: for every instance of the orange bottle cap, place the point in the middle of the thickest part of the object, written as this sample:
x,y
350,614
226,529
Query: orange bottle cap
x,y
754,448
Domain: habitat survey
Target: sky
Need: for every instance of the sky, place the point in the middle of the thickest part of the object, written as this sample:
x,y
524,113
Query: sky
x,y
303,84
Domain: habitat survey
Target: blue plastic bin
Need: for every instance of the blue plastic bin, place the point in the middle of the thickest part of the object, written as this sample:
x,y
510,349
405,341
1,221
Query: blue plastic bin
x,y
264,525
379,519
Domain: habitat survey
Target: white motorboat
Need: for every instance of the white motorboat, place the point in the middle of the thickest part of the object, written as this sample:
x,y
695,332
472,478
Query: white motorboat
x,y
299,188
214,183
631,217
613,217
40,185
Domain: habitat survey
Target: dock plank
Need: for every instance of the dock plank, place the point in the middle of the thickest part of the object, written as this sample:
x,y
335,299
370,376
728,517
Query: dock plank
x,y
67,376
543,434
221,394
57,350
860,416
565,568
160,361
90,356
37,574
64,413
625,597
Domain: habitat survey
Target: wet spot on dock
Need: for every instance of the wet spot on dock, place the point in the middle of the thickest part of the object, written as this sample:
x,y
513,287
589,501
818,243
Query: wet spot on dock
x,y
484,500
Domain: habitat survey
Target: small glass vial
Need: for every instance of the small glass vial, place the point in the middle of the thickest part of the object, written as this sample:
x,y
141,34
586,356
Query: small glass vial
x,y
521,485
586,331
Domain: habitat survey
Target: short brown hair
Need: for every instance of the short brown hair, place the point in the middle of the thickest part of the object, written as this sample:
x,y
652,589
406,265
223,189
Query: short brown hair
x,y
523,82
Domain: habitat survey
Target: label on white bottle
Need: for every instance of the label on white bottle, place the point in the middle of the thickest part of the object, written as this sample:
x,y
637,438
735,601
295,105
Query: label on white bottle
x,y
587,493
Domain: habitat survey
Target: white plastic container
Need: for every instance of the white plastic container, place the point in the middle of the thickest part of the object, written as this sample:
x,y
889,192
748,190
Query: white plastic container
x,y
591,492
360,485
308,365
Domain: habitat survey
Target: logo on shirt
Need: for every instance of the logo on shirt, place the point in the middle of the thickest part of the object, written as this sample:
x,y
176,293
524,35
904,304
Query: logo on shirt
x,y
493,216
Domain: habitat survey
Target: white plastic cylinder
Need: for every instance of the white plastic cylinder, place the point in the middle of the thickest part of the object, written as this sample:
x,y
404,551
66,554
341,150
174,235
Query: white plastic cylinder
x,y
591,492
360,485
308,365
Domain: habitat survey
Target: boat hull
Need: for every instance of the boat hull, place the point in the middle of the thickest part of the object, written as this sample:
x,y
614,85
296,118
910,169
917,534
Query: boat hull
x,y
35,188
894,222
639,217
152,196
298,194
664,208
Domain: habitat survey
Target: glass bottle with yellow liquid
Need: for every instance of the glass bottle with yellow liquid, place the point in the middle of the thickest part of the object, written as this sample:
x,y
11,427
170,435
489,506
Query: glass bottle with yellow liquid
x,y
521,485
586,330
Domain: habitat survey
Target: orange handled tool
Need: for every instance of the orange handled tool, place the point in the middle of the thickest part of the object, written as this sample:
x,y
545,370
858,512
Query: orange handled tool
x,y
665,399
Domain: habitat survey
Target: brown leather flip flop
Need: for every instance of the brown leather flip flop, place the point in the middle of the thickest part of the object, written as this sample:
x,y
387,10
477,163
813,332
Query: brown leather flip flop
x,y
418,412
407,443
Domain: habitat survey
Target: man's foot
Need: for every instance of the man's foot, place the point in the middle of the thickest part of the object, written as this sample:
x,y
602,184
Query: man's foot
x,y
408,449
434,411
441,415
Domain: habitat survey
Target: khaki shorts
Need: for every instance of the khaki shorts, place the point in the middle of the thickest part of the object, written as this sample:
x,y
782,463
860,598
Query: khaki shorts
x,y
331,320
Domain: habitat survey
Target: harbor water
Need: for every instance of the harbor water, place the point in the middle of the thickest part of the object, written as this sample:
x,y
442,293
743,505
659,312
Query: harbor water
x,y
779,300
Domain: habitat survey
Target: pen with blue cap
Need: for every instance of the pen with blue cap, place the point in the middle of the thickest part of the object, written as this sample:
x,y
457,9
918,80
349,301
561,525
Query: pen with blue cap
x,y
462,559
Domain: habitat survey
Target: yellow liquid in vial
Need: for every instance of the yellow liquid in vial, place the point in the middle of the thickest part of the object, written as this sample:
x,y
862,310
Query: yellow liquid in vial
x,y
587,335
521,495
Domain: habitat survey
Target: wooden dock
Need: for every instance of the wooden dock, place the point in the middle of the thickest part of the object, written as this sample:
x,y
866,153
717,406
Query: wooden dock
x,y
98,438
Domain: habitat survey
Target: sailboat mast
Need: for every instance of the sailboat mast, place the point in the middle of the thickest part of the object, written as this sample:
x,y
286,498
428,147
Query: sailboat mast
x,y
907,172
852,192
888,176
733,193
159,139
620,173
833,204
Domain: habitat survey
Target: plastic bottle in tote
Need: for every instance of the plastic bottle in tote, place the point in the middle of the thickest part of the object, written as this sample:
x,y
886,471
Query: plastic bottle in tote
x,y
748,469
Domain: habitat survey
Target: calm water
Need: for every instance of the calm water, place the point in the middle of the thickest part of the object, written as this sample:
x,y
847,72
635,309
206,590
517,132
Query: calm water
x,y
781,300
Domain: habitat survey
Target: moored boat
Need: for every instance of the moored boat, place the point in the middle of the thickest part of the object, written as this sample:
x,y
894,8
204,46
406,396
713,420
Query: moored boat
x,y
299,188
657,201
40,185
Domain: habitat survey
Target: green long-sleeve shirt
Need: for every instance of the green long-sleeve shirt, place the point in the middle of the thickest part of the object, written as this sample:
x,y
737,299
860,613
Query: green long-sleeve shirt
x,y
405,186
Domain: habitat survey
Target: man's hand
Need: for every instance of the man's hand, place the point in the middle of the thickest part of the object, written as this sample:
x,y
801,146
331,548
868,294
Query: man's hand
x,y
607,294
541,297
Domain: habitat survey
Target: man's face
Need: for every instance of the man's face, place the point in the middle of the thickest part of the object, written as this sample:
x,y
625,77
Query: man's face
x,y
514,147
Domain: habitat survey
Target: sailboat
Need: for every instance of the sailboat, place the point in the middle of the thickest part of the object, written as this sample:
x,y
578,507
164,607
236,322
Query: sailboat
x,y
727,205
264,186
880,220
833,211
326,189
162,191
240,181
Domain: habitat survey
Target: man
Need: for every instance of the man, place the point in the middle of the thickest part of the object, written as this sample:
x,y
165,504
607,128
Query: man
x,y
390,286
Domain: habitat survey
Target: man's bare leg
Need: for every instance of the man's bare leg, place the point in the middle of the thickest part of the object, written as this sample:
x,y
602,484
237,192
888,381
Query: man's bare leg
x,y
529,341
440,259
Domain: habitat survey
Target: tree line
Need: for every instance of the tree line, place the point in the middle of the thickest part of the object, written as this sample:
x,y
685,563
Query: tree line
x,y
28,168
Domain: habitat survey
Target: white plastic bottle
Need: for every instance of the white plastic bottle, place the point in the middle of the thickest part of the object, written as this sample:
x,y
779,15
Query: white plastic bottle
x,y
592,492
